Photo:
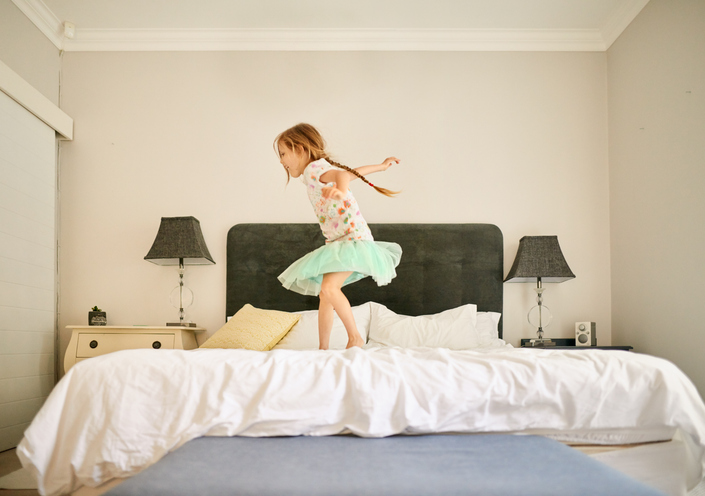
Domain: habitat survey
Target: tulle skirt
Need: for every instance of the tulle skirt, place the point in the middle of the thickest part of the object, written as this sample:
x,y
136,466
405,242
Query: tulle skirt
x,y
376,259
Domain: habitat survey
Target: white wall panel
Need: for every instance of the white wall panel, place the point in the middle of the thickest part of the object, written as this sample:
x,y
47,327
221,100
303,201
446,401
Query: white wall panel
x,y
22,227
27,267
24,365
24,206
26,342
23,296
23,319
16,272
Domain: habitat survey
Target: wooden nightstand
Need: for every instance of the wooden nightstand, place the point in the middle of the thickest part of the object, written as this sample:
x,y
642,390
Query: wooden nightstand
x,y
91,341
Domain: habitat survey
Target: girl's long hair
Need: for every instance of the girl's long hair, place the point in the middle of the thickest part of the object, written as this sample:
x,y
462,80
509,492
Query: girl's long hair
x,y
307,138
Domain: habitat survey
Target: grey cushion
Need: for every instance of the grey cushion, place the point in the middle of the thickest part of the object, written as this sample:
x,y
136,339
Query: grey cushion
x,y
402,465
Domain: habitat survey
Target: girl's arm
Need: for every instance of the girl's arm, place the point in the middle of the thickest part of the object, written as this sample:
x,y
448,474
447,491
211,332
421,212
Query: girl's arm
x,y
342,178
369,169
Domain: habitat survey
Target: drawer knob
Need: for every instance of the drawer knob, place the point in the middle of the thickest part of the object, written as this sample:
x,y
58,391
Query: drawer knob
x,y
156,345
94,344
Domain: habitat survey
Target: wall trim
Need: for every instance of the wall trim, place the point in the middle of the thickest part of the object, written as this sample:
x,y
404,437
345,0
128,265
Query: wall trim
x,y
89,40
30,98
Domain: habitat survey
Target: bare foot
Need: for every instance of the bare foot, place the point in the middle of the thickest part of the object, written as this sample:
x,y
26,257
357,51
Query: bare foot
x,y
355,342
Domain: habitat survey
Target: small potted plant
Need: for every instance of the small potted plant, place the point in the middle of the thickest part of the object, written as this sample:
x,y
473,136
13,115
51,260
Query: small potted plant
x,y
97,317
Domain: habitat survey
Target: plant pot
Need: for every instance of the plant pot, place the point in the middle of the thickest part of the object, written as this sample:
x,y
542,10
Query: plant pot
x,y
97,318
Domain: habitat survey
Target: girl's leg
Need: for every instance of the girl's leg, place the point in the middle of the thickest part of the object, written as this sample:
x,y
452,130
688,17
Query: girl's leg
x,y
332,298
326,314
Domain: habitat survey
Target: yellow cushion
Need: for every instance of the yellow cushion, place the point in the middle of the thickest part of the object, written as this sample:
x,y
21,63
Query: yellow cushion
x,y
253,329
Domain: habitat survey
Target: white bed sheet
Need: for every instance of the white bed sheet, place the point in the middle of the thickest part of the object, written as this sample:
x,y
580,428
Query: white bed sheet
x,y
114,415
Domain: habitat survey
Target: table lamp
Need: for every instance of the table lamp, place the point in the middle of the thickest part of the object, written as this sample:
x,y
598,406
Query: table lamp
x,y
539,259
180,242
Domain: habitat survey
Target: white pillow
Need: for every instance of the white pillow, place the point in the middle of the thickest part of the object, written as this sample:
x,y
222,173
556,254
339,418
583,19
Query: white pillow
x,y
487,327
454,328
304,335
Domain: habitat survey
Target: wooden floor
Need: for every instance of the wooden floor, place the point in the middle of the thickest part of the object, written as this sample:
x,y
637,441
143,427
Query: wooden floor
x,y
9,463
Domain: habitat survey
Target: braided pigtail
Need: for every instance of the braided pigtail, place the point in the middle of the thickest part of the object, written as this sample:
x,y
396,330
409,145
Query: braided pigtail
x,y
306,138
379,189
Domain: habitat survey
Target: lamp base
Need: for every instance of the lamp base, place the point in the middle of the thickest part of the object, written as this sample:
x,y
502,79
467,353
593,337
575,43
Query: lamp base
x,y
181,324
541,343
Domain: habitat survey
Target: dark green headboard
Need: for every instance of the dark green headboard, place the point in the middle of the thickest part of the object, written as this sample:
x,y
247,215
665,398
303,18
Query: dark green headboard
x,y
443,266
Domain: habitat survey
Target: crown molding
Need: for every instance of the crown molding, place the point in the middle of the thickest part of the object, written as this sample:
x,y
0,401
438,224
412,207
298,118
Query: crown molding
x,y
45,20
90,40
620,19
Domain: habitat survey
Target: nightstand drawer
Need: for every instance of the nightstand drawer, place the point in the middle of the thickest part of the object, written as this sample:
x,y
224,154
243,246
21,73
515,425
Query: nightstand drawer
x,y
91,341
90,345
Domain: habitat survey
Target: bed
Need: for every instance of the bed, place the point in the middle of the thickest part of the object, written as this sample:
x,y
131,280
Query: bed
x,y
149,415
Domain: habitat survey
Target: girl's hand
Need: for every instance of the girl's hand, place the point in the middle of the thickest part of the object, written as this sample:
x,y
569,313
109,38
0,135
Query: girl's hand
x,y
331,191
388,163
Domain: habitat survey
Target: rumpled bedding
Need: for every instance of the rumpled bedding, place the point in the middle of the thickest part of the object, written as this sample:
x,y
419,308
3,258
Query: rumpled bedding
x,y
114,415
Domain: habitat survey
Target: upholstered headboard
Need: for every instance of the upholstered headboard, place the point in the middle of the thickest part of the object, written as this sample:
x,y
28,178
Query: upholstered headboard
x,y
443,266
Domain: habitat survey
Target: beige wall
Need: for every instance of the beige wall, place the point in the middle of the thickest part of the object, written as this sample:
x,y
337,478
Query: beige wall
x,y
657,178
25,50
515,139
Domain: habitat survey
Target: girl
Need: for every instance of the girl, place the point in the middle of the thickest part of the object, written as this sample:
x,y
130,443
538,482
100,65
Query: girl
x,y
350,252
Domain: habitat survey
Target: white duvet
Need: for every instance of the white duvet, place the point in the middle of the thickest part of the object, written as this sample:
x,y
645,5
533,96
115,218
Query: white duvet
x,y
114,415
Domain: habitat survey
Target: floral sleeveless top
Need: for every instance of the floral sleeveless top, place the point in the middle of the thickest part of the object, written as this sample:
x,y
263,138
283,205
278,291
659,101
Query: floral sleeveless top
x,y
340,220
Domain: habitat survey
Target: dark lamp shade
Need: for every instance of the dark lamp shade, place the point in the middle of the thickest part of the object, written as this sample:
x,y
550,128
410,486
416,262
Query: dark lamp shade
x,y
179,238
539,257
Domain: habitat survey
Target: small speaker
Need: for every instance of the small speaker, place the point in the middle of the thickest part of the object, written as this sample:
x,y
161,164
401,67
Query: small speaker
x,y
585,334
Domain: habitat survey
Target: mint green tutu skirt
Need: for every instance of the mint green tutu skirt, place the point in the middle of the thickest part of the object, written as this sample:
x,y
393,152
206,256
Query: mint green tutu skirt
x,y
376,259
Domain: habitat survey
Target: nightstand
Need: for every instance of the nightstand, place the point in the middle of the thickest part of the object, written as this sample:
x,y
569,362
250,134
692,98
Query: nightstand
x,y
569,344
91,341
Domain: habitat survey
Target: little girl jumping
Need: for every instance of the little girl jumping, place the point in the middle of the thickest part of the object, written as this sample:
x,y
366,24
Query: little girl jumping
x,y
350,252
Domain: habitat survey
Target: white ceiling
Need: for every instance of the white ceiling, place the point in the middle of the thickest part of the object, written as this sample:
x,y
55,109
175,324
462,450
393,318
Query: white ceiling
x,y
590,25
